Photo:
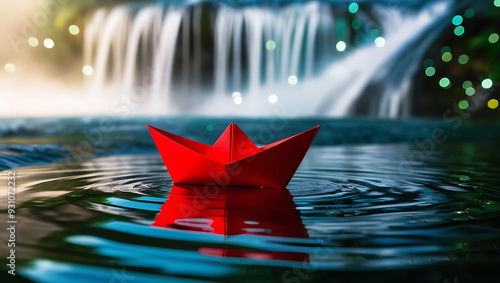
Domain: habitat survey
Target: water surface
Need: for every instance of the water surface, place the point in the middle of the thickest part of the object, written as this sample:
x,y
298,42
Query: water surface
x,y
383,208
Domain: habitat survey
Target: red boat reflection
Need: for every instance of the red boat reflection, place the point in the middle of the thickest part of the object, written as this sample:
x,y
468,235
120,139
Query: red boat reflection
x,y
234,211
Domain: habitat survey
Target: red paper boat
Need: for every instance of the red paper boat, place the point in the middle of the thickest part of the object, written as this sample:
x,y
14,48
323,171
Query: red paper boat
x,y
234,160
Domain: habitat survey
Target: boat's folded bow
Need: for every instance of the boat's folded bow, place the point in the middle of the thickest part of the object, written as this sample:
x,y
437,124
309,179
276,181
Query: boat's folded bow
x,y
234,160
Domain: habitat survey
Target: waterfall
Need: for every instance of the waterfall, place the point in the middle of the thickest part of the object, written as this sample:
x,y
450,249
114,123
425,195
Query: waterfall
x,y
206,59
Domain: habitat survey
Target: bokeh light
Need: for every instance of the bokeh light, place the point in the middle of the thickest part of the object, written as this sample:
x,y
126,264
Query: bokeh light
x,y
375,32
445,82
210,128
457,20
238,100
273,98
447,57
380,41
356,24
493,38
236,94
445,49
33,42
9,67
353,7
487,83
74,30
497,3
467,84
430,71
463,59
270,45
428,63
463,104
470,91
469,13
292,80
459,30
341,46
87,70
493,103
48,43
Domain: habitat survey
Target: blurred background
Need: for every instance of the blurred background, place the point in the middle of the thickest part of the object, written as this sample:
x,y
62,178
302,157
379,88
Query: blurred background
x,y
375,58
400,184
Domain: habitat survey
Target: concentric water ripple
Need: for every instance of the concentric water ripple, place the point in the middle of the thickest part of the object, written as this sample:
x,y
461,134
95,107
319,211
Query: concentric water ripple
x,y
349,212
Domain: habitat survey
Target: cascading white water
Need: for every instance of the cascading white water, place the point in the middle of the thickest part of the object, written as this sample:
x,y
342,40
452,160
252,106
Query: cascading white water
x,y
191,59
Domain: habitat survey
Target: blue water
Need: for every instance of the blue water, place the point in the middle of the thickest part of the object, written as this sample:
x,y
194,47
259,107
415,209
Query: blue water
x,y
373,201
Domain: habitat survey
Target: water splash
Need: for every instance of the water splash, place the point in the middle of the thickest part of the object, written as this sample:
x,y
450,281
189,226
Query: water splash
x,y
189,59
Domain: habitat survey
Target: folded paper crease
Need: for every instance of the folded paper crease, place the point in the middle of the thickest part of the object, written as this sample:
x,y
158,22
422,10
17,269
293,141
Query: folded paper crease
x,y
234,160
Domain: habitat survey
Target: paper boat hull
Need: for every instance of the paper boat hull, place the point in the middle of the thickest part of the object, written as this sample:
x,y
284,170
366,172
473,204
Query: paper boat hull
x,y
273,166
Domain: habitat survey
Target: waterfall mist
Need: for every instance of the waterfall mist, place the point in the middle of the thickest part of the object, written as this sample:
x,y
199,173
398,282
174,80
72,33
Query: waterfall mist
x,y
302,58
